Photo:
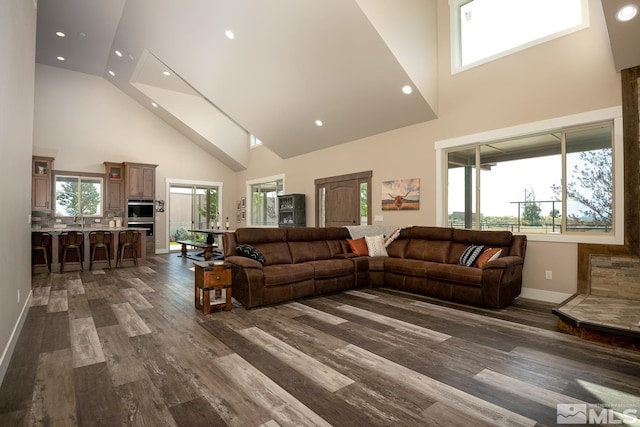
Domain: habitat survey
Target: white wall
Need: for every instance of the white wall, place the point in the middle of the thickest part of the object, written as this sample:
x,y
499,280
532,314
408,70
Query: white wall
x,y
17,49
565,76
83,120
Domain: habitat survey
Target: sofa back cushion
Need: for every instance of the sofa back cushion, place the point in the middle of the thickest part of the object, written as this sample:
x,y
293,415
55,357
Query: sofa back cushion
x,y
271,242
254,235
462,239
307,244
428,243
518,245
428,250
337,240
309,251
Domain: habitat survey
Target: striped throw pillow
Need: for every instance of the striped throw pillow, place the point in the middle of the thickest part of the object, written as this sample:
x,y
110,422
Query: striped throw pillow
x,y
469,256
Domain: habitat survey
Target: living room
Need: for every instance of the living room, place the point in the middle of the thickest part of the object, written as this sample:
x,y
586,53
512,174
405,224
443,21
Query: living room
x,y
83,120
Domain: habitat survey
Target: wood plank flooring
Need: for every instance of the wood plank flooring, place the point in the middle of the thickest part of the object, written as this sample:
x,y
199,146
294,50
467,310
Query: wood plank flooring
x,y
126,347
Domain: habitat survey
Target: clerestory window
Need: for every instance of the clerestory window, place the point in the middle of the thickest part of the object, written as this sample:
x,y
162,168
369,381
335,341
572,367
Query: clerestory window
x,y
483,30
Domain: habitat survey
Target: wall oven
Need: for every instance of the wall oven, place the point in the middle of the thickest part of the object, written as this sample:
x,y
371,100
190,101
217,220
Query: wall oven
x,y
140,209
142,224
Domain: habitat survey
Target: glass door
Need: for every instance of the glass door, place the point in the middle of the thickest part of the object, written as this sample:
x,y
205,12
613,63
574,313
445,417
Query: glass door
x,y
191,207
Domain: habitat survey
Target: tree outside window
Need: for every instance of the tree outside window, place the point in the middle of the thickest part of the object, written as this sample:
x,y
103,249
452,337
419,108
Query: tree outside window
x,y
78,196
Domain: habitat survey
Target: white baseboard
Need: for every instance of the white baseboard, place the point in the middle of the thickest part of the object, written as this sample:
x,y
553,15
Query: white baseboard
x,y
546,296
162,251
11,345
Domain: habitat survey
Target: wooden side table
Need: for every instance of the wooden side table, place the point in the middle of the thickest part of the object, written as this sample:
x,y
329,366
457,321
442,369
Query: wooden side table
x,y
212,277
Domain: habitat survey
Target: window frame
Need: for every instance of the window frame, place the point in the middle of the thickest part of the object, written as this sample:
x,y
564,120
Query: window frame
x,y
80,176
613,114
249,208
456,39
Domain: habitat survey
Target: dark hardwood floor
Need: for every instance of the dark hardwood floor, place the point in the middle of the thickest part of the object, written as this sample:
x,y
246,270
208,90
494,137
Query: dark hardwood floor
x,y
126,347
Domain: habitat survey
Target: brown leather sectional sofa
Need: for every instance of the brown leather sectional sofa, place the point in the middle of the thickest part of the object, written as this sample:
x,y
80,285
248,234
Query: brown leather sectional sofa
x,y
307,261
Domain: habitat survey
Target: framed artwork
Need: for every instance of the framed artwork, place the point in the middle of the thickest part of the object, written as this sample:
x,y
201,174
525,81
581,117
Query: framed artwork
x,y
238,202
243,202
401,195
238,217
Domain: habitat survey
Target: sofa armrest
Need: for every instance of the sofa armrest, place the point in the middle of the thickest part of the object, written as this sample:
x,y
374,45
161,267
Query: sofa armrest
x,y
244,262
501,281
503,262
248,280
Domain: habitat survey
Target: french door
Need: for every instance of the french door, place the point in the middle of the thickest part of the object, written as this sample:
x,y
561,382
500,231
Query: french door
x,y
191,207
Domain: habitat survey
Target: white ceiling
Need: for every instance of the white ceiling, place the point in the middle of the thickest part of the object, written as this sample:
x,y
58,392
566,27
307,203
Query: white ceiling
x,y
291,62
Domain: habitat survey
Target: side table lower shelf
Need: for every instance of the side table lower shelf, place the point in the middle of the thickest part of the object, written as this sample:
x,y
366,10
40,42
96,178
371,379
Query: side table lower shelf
x,y
212,277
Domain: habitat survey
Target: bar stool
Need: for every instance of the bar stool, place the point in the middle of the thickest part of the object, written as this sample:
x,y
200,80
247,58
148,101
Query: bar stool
x,y
100,240
71,240
40,244
127,240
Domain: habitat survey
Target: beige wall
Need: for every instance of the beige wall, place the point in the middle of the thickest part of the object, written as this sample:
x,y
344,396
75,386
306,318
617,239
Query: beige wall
x,y
17,49
83,120
569,75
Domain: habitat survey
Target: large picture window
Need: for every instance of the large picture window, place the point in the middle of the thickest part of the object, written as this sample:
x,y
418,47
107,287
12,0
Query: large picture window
x,y
556,182
520,183
78,196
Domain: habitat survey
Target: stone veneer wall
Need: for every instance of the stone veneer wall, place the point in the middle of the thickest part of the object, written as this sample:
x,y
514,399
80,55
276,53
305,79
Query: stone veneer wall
x,y
614,276
609,270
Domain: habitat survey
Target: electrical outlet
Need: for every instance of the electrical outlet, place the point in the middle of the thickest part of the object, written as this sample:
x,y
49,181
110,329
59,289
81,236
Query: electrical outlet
x,y
549,274
378,218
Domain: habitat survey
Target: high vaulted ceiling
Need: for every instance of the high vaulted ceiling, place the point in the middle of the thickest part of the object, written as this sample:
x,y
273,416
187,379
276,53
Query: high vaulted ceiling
x,y
291,62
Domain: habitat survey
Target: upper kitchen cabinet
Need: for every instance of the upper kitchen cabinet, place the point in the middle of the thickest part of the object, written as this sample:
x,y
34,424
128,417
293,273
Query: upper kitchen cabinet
x,y
41,183
114,196
141,181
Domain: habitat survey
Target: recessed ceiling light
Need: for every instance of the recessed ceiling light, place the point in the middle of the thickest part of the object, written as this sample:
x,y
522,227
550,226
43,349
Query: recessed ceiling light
x,y
319,123
154,105
112,73
406,89
229,34
627,13
166,73
60,58
117,52
60,34
81,34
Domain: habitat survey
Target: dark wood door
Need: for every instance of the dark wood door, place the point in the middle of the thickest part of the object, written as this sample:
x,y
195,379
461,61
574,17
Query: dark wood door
x,y
339,199
342,204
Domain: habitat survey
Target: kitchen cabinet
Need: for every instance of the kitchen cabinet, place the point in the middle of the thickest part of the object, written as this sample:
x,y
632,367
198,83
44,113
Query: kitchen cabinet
x,y
114,197
141,181
41,190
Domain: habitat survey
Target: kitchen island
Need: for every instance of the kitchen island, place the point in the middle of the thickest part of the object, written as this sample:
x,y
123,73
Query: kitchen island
x,y
55,250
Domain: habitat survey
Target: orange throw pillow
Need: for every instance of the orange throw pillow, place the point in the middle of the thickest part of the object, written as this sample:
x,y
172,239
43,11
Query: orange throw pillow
x,y
488,255
358,246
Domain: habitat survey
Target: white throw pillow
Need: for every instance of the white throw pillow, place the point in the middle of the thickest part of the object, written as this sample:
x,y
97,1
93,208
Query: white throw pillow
x,y
375,244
